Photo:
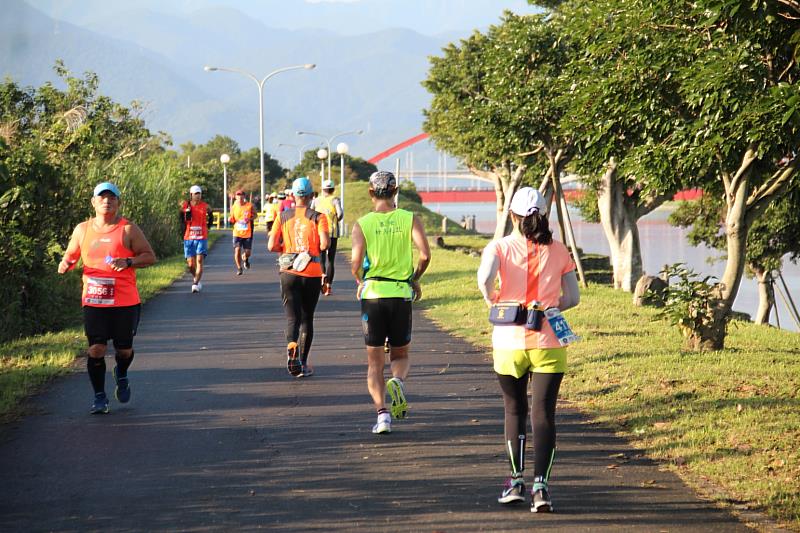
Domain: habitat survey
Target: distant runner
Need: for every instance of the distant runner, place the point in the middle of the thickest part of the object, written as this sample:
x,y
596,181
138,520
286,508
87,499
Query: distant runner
x,y
382,264
196,217
299,234
538,273
111,248
242,217
331,207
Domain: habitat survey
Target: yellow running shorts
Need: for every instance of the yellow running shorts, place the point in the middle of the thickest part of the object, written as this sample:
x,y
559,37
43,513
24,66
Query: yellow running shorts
x,y
519,362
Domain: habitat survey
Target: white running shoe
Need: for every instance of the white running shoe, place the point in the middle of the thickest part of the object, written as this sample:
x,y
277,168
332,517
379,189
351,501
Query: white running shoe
x,y
199,286
194,288
384,424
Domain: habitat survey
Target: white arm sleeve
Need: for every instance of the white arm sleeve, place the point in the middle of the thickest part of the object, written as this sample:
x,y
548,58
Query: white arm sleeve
x,y
570,295
487,273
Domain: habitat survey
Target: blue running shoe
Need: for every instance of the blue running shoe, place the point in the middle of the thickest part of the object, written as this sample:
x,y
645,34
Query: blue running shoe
x,y
123,391
100,404
397,393
306,371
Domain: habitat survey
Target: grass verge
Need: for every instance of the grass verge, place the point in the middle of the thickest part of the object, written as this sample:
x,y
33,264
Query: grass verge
x,y
730,417
29,363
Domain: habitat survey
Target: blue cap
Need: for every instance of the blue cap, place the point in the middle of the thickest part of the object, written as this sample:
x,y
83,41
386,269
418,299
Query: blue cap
x,y
106,186
302,187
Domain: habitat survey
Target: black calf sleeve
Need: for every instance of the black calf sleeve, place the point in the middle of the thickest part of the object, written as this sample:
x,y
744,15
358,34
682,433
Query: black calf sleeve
x,y
97,373
515,402
122,364
543,420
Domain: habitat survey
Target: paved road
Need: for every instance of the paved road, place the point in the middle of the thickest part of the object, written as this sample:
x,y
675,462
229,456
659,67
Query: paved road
x,y
219,437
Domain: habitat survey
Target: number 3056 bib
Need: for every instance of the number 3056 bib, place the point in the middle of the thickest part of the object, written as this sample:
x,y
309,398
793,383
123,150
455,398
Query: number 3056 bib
x,y
100,291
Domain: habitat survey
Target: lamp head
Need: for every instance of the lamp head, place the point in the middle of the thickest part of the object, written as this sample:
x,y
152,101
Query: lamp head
x,y
342,148
209,69
224,159
322,153
309,66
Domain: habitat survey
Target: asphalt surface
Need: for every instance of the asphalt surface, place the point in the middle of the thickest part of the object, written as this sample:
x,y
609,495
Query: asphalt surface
x,y
219,437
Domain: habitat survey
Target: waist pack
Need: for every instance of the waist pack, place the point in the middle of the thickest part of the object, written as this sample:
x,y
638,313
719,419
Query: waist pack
x,y
507,314
296,261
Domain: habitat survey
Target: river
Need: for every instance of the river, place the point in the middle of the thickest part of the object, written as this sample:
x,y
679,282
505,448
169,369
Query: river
x,y
661,244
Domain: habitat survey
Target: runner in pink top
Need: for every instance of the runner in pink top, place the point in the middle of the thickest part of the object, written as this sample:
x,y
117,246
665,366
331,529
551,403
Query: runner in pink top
x,y
538,273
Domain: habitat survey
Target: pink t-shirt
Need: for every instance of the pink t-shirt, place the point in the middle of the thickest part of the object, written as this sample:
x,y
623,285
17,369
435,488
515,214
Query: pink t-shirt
x,y
529,272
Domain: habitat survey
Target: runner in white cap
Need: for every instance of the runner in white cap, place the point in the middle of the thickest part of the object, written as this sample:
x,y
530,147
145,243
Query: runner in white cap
x,y
196,218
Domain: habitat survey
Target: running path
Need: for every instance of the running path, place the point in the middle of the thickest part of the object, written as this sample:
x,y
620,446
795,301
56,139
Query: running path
x,y
219,437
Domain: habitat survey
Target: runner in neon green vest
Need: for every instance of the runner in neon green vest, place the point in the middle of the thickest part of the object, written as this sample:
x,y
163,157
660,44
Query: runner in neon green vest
x,y
382,264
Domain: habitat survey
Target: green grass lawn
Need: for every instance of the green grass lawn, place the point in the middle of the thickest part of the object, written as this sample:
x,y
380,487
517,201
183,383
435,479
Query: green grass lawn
x,y
27,364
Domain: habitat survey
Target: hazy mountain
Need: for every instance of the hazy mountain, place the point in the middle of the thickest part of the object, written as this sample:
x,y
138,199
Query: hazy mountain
x,y
155,52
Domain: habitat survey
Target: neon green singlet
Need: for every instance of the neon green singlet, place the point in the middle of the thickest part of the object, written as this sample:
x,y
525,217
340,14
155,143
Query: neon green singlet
x,y
389,253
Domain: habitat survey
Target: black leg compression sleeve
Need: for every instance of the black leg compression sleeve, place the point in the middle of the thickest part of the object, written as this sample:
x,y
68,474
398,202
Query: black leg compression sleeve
x,y
330,257
300,297
543,420
123,364
97,373
515,402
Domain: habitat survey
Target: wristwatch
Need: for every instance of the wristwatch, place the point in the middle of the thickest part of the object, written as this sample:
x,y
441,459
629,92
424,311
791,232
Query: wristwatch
x,y
128,262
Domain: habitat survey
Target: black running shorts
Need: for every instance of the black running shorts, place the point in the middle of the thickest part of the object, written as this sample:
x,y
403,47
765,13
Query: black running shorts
x,y
386,318
118,323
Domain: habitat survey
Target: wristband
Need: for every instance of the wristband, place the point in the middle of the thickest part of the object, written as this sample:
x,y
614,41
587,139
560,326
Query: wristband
x,y
128,262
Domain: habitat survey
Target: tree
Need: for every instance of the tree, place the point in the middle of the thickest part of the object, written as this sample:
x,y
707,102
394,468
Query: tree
x,y
495,104
742,137
620,107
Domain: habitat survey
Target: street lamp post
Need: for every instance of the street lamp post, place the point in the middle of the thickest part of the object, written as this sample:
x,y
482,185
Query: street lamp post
x,y
225,159
260,85
323,154
329,141
341,149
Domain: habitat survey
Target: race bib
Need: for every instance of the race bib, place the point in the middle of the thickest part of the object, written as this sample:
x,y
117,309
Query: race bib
x,y
242,225
560,327
100,291
195,232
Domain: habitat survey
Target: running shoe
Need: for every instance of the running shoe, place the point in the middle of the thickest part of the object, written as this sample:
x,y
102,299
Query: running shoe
x,y
194,288
384,424
246,262
100,404
238,271
306,372
397,393
513,492
293,364
123,390
199,286
326,289
540,497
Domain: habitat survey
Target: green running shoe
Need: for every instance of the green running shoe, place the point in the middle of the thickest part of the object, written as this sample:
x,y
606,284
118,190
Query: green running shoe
x,y
399,407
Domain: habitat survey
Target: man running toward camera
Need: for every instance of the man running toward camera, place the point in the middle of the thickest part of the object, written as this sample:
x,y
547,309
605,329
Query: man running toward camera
x,y
111,248
196,218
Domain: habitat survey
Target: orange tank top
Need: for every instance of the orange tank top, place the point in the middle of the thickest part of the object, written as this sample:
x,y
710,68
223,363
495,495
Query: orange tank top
x,y
299,228
103,286
529,272
196,228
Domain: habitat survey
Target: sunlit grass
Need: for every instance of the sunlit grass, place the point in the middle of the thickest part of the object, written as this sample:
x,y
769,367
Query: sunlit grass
x,y
27,364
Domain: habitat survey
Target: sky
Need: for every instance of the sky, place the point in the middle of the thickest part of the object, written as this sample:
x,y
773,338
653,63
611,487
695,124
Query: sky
x,y
349,17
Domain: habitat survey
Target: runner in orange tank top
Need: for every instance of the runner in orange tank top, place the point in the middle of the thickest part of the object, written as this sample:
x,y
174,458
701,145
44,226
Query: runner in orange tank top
x,y
111,247
300,234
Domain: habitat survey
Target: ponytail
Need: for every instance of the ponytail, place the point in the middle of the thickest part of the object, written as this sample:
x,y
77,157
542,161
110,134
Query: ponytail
x,y
536,228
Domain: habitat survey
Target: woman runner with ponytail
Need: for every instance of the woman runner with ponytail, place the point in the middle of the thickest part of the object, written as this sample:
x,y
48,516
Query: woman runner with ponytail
x,y
532,267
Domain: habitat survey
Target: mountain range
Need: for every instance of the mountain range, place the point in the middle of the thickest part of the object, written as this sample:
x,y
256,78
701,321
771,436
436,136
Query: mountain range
x,y
368,80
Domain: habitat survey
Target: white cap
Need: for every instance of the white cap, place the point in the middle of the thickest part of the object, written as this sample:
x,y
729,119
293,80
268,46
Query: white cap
x,y
328,184
195,188
527,201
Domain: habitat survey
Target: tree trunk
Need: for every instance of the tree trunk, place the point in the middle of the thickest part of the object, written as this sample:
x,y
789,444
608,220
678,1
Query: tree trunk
x,y
506,182
766,294
618,216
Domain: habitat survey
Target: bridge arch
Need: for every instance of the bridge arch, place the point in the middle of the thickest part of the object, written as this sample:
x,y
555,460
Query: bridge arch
x,y
396,148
